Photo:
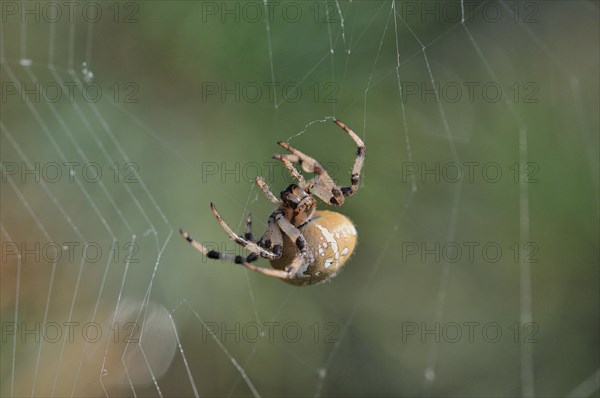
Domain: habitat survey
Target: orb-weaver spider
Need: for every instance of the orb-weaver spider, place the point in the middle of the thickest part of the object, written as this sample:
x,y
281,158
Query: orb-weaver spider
x,y
304,246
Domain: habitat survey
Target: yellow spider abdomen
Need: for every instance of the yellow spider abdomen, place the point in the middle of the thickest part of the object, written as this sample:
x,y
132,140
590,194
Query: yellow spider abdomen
x,y
330,241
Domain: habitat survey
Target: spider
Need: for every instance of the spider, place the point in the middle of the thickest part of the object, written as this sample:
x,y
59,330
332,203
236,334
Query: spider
x,y
303,245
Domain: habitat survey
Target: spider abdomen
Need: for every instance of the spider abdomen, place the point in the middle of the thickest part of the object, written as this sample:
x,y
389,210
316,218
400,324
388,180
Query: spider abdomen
x,y
330,240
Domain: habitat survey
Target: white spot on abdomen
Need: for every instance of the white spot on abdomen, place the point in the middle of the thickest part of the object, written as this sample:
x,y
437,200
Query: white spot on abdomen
x,y
328,262
330,239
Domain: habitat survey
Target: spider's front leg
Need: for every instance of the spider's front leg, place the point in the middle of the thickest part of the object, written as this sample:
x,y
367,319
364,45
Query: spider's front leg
x,y
266,190
290,167
358,162
322,185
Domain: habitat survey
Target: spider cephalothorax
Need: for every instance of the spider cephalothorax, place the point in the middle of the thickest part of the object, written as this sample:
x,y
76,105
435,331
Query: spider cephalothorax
x,y
304,246
297,204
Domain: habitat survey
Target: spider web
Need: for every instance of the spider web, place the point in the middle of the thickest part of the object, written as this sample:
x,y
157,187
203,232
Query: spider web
x,y
172,324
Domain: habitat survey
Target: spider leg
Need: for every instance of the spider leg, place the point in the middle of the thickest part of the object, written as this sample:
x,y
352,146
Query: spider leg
x,y
293,158
324,187
265,188
358,162
253,247
236,259
309,164
248,231
249,237
290,167
272,238
296,236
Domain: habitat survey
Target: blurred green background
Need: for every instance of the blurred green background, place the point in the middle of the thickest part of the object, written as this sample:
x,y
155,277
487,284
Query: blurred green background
x,y
194,97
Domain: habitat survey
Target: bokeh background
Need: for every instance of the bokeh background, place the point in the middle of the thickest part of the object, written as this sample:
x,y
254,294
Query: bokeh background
x,y
181,103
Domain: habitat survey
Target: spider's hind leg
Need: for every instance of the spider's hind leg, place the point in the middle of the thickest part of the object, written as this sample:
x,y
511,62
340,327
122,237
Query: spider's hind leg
x,y
248,231
272,238
252,246
250,238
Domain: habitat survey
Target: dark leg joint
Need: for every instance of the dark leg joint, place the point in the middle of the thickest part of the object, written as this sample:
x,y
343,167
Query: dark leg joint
x,y
361,151
277,250
185,235
347,191
251,257
300,243
213,254
238,260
